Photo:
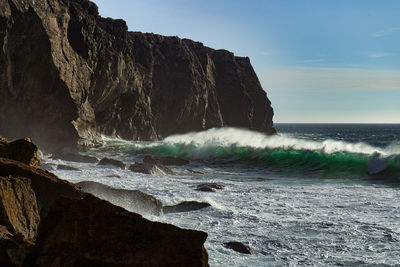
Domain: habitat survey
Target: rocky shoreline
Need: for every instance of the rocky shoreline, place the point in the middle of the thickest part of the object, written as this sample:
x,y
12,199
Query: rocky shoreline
x,y
46,221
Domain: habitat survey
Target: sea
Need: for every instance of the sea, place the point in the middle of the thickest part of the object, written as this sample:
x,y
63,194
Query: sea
x,y
312,195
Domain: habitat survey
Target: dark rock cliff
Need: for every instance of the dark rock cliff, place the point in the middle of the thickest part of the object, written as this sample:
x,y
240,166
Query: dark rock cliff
x,y
68,75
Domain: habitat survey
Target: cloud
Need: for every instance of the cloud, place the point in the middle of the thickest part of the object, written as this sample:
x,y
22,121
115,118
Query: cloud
x,y
386,32
266,53
379,55
320,78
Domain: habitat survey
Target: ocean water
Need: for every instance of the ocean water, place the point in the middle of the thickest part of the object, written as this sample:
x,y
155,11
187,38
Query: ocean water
x,y
314,195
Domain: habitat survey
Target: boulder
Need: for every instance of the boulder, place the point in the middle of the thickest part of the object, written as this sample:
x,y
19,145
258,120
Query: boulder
x,y
150,166
194,171
238,247
185,206
18,208
172,161
47,186
75,157
66,167
209,187
93,232
113,162
131,200
22,150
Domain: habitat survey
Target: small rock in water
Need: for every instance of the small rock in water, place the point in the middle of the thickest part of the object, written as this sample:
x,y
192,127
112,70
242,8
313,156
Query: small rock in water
x,y
195,172
185,207
75,157
238,247
172,161
150,166
209,187
113,162
66,167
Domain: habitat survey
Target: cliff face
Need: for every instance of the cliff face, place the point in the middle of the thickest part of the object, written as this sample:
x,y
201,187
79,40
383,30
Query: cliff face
x,y
68,75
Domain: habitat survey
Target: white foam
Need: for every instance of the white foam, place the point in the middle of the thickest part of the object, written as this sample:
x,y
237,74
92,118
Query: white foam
x,y
233,137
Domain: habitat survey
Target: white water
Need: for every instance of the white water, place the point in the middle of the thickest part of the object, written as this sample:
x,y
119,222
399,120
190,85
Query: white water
x,y
287,221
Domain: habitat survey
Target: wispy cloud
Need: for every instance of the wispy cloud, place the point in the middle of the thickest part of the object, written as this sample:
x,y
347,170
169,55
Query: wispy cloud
x,y
379,55
386,32
310,61
321,78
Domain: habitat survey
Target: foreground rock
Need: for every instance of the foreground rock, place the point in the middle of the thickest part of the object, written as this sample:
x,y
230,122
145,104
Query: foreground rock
x,y
22,150
93,232
150,166
185,207
209,187
91,76
238,247
18,208
131,200
112,162
45,221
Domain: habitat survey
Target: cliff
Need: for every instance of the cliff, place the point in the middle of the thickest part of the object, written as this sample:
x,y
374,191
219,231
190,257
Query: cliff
x,y
68,75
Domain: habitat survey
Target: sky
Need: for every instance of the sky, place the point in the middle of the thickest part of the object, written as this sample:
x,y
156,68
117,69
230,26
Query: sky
x,y
331,61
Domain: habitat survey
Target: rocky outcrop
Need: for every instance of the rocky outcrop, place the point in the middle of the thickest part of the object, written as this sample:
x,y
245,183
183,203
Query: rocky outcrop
x,y
45,221
238,247
150,166
185,206
112,162
18,207
22,150
93,232
131,200
68,75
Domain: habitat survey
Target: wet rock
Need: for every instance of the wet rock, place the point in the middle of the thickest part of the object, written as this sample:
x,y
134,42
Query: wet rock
x,y
18,208
209,187
194,172
22,150
167,161
131,200
66,167
113,162
238,247
46,166
75,157
150,166
185,206
93,232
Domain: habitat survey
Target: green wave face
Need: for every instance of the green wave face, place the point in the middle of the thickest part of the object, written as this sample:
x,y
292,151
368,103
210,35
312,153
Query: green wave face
x,y
305,162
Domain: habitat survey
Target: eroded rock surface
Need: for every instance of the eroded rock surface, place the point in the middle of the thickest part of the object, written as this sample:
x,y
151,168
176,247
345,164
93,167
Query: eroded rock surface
x,y
69,75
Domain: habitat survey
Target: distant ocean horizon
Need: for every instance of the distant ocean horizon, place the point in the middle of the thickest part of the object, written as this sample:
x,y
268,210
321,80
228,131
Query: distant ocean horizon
x,y
314,194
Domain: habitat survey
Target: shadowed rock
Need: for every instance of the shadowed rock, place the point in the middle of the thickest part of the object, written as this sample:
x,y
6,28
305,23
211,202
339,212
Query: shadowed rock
x,y
87,75
47,186
131,200
22,150
185,206
113,162
13,249
67,168
194,171
93,232
75,157
209,187
239,247
172,161
150,166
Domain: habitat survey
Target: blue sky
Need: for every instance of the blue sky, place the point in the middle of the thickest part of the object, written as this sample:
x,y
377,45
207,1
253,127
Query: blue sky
x,y
318,61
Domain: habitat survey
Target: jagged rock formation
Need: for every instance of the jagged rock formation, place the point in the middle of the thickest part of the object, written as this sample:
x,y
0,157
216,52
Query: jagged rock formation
x,y
45,221
67,75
